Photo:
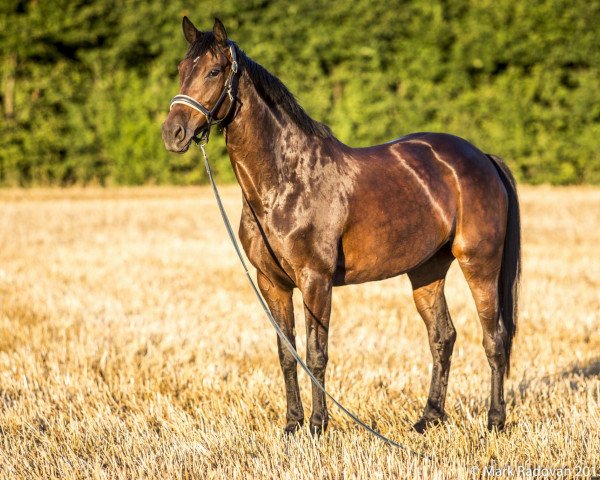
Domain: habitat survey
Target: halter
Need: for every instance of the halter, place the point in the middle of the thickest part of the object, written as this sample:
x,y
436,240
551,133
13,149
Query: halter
x,y
229,90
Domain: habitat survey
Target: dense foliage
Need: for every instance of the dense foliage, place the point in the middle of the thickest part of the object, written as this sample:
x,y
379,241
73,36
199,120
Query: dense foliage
x,y
86,84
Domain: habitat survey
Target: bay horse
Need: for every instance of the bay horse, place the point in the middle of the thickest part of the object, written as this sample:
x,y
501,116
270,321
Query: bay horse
x,y
317,214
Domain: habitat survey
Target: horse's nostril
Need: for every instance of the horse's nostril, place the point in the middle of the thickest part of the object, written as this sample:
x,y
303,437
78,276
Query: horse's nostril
x,y
178,132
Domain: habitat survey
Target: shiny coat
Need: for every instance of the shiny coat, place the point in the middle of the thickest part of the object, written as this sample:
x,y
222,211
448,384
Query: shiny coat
x,y
318,213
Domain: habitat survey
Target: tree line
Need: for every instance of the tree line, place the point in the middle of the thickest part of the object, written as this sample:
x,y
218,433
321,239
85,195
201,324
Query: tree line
x,y
86,84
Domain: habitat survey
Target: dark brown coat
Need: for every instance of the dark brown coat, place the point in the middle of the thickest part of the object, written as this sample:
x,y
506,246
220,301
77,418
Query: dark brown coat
x,y
317,213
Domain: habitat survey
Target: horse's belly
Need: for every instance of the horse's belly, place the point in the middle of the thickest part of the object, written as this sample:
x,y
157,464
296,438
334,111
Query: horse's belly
x,y
402,211
384,246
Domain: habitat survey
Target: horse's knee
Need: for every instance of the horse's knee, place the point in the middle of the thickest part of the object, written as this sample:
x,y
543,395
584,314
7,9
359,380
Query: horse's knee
x,y
316,360
286,359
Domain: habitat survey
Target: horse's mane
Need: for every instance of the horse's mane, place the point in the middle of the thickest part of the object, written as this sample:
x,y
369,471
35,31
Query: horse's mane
x,y
269,87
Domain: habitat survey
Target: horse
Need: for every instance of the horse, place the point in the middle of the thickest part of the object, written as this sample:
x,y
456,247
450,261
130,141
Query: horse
x,y
317,214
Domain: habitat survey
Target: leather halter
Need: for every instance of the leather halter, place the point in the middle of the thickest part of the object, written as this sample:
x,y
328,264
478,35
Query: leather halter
x,y
229,90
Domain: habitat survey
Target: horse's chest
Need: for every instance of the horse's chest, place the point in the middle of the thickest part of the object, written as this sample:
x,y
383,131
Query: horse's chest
x,y
264,248
284,242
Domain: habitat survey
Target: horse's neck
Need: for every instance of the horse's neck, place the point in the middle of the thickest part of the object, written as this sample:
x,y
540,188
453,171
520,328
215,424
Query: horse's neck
x,y
264,147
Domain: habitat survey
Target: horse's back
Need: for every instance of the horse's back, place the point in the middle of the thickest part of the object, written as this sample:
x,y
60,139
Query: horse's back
x,y
467,163
475,181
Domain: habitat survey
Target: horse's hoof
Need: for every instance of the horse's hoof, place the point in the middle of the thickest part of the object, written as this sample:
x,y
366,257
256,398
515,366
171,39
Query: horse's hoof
x,y
317,429
496,421
426,422
292,427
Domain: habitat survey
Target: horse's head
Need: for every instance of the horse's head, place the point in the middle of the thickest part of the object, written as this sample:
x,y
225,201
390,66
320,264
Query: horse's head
x,y
207,86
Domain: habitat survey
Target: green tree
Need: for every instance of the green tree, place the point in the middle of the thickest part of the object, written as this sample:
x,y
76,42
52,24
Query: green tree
x,y
86,85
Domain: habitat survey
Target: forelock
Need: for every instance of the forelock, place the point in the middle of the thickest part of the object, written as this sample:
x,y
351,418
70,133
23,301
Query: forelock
x,y
205,43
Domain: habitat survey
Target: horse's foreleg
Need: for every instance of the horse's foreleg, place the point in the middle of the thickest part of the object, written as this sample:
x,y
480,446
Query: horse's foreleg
x,y
281,306
316,294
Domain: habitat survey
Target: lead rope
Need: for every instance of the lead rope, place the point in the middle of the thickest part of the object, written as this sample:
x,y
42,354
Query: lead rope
x,y
282,336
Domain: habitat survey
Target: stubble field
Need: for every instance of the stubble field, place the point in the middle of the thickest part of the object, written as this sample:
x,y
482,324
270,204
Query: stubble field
x,y
132,347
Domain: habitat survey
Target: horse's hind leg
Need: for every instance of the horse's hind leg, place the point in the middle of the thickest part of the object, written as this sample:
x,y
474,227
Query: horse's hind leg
x,y
428,292
481,267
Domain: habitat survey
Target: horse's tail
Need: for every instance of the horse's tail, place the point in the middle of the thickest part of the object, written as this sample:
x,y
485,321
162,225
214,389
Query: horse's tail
x,y
510,271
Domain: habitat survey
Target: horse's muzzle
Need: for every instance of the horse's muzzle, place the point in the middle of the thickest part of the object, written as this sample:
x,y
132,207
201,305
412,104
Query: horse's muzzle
x,y
176,136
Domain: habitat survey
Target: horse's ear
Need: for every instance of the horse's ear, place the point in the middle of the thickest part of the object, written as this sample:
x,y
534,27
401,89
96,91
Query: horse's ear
x,y
190,32
220,33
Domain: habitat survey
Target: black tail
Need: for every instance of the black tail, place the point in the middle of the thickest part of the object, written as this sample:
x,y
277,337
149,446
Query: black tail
x,y
510,272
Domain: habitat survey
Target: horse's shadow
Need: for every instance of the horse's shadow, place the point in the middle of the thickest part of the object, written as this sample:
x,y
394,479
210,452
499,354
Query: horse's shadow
x,y
591,369
575,372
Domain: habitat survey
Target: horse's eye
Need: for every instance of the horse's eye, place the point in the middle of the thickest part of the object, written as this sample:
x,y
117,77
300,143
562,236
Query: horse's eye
x,y
214,72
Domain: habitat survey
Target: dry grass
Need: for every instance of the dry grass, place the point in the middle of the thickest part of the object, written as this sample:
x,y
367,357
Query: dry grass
x,y
131,347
